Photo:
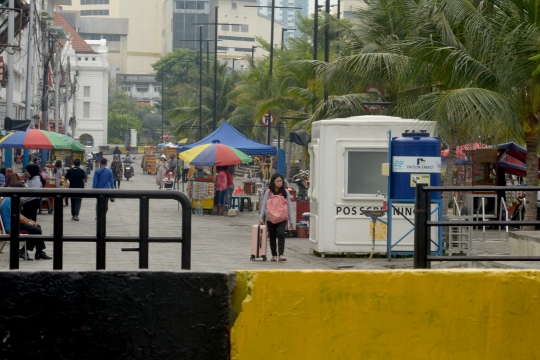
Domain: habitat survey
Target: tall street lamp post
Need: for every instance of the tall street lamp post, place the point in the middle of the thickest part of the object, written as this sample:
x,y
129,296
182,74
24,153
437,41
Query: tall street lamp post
x,y
233,60
216,24
283,36
253,52
273,7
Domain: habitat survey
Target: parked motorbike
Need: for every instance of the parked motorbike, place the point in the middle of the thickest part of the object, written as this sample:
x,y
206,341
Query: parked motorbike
x,y
302,182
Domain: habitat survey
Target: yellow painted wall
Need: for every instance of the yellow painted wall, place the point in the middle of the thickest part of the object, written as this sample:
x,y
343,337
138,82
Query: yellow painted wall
x,y
446,314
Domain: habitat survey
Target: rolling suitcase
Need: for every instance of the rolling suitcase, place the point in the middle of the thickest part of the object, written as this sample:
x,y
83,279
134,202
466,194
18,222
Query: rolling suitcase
x,y
258,242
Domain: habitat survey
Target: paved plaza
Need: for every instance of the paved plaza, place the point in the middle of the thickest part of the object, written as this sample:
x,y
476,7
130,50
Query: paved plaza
x,y
219,243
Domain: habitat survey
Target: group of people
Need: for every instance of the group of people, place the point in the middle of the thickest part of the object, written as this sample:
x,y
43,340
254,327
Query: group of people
x,y
28,214
163,166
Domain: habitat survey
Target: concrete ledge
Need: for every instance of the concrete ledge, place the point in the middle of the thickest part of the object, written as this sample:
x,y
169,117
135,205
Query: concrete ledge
x,y
435,314
114,315
525,243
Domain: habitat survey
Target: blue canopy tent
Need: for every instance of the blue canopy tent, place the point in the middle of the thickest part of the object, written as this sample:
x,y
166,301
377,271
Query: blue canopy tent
x,y
227,135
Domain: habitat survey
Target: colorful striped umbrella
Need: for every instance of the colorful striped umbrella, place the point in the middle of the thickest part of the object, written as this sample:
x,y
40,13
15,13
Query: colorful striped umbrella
x,y
73,144
214,154
33,139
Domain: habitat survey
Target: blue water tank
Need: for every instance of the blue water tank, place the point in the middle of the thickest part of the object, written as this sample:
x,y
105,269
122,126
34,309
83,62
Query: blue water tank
x,y
416,158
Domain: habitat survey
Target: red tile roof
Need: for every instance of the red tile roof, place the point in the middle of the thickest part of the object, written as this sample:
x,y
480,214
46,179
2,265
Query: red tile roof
x,y
77,42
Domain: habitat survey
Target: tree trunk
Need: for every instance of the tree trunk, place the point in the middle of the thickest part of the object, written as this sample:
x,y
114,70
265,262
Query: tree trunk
x,y
449,173
531,139
288,159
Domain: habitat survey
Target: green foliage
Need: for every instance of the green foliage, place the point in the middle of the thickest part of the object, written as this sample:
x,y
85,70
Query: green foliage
x,y
119,124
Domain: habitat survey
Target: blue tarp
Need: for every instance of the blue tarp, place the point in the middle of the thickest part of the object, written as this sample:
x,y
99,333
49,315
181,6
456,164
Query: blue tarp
x,y
227,135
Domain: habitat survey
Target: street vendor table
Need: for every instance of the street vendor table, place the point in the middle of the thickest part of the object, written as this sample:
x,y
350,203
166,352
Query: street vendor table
x,y
203,191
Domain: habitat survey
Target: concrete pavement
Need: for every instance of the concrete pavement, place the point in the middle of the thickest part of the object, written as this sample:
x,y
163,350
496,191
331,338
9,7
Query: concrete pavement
x,y
219,243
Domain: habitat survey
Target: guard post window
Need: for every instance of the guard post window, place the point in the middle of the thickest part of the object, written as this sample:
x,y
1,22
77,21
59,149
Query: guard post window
x,y
363,172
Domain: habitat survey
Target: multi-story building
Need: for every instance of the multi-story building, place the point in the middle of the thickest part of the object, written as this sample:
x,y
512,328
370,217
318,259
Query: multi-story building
x,y
115,31
349,6
144,37
287,17
239,25
89,70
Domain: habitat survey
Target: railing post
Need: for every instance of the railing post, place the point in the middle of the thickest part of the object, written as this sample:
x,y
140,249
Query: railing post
x,y
421,234
14,232
58,232
186,237
144,214
101,231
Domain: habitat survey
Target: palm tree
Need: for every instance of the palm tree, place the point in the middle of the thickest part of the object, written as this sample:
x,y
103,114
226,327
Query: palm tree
x,y
185,114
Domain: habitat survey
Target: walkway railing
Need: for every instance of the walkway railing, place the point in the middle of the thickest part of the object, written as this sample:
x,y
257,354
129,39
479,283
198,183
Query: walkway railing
x,y
101,239
423,223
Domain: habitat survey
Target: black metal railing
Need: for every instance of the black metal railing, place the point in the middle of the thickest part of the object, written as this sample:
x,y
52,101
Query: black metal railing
x,y
101,239
422,225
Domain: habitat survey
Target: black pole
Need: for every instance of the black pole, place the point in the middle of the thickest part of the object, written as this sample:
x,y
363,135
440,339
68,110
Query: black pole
x,y
187,71
326,45
253,52
282,36
208,63
315,29
269,134
421,231
45,101
200,84
338,9
162,100
214,120
279,135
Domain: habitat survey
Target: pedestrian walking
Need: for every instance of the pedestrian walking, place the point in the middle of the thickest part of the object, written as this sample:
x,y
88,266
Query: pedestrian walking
x,y
117,169
185,171
117,151
34,181
161,168
103,179
77,179
276,207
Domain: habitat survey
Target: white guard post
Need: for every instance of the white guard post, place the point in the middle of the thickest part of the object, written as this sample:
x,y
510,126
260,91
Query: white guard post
x,y
346,159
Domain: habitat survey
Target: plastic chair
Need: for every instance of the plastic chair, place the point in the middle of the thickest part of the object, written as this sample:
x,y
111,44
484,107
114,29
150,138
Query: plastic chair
x,y
49,208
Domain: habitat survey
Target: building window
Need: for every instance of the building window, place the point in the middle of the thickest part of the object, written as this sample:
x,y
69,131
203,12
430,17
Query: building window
x,y
245,28
126,88
361,179
93,36
94,12
202,5
86,110
142,89
94,2
178,5
236,28
87,91
234,6
157,89
191,5
224,27
236,38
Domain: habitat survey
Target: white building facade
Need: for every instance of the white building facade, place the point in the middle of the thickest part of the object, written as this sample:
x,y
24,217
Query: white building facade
x,y
91,98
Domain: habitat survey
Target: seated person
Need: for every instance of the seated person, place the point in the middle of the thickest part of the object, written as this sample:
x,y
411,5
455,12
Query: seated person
x,y
25,225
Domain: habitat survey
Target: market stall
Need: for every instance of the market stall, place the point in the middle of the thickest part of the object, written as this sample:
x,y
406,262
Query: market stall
x,y
61,145
201,189
150,159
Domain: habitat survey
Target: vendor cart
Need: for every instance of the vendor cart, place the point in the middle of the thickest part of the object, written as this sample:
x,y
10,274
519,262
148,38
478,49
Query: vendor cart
x,y
150,156
201,190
